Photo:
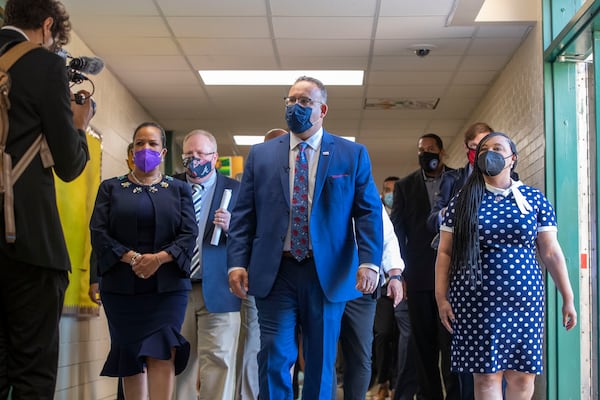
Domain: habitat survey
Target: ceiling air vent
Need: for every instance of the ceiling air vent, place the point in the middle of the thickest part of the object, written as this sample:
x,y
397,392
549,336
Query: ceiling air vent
x,y
401,104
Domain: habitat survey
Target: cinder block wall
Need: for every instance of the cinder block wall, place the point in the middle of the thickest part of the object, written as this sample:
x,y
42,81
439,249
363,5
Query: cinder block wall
x,y
515,105
84,343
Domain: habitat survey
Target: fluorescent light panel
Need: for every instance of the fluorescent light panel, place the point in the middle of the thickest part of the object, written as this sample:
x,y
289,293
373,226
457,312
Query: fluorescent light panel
x,y
249,140
239,77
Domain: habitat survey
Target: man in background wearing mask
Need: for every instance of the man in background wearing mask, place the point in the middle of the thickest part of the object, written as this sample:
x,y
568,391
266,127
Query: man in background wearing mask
x,y
293,246
387,197
34,269
212,318
413,199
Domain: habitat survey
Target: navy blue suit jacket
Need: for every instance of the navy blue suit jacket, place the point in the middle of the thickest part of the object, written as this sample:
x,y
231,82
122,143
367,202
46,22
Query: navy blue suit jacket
x,y
452,182
344,190
215,281
114,230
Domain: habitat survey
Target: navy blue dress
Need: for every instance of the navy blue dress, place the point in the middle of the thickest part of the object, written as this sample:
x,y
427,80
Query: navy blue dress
x,y
144,315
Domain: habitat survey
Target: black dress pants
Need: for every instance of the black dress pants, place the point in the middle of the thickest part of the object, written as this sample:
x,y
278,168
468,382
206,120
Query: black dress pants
x,y
31,301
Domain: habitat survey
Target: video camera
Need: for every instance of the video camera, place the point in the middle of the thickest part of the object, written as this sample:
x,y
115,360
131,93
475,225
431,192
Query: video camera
x,y
77,68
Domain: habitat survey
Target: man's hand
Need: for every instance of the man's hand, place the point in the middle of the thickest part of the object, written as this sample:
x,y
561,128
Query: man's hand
x,y
94,293
82,113
395,290
238,282
366,280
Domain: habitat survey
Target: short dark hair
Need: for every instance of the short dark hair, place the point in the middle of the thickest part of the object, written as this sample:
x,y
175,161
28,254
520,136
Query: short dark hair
x,y
30,14
317,82
163,136
438,140
391,178
475,129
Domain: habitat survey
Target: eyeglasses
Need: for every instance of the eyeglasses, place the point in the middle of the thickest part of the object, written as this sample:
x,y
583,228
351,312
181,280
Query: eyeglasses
x,y
303,101
204,156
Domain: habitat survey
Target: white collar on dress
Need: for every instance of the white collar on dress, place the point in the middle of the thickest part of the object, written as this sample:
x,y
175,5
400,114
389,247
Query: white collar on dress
x,y
522,203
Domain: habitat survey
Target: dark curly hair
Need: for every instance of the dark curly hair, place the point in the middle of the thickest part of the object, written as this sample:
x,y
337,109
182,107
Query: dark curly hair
x,y
30,14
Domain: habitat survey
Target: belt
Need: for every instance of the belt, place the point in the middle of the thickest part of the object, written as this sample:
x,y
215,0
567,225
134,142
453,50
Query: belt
x,y
287,254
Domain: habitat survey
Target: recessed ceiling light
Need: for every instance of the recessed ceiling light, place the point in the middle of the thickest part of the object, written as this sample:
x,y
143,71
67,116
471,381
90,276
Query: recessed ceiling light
x,y
239,77
249,140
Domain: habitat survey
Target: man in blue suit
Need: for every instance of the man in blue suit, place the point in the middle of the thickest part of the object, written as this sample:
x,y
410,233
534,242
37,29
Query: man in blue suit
x,y
308,286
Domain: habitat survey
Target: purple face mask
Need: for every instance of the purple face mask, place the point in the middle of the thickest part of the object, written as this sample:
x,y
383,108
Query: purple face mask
x,y
147,159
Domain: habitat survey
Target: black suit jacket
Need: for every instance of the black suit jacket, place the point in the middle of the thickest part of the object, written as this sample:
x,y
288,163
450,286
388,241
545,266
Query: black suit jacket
x,y
409,216
40,102
215,279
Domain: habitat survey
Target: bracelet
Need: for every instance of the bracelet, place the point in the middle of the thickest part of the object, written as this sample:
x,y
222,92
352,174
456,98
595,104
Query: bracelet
x,y
134,257
398,277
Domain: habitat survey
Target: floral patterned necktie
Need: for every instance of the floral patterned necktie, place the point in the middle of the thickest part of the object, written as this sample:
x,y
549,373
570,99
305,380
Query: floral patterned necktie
x,y
299,231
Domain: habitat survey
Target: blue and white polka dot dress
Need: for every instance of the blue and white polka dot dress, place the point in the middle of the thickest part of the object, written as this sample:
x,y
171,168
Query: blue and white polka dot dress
x,y
500,322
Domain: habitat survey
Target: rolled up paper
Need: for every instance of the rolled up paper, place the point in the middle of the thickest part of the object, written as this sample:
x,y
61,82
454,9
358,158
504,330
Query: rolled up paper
x,y
216,236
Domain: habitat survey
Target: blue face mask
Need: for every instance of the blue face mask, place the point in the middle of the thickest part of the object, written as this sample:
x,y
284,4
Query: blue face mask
x,y
196,167
388,199
298,118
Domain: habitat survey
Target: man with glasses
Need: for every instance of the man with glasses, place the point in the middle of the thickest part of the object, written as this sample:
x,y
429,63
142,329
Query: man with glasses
x,y
212,318
292,242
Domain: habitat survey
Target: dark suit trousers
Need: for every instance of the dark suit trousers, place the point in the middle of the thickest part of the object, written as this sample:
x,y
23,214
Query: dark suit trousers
x,y
297,297
356,339
431,340
31,301
406,374
385,340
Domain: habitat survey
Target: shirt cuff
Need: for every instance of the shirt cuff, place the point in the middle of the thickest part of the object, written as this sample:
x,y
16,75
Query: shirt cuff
x,y
372,267
233,269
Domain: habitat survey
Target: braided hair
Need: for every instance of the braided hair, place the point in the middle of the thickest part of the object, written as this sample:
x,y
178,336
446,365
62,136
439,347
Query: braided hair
x,y
466,256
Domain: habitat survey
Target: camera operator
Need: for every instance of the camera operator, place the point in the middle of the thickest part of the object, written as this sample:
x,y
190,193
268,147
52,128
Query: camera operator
x,y
34,269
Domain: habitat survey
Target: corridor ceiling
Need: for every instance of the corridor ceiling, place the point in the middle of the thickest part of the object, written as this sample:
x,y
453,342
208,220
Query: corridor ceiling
x,y
156,47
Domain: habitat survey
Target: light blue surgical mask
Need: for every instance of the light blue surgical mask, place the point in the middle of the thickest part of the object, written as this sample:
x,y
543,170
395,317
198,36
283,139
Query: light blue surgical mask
x,y
388,199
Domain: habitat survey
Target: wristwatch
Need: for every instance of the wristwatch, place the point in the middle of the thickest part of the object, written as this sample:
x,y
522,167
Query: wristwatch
x,y
399,277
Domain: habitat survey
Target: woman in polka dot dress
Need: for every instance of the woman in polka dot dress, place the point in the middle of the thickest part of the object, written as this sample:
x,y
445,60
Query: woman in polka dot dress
x,y
489,286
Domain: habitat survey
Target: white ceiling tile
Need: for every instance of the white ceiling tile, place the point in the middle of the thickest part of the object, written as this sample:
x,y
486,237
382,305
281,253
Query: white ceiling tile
x,y
325,62
493,46
227,47
246,8
474,77
220,27
131,46
77,8
421,28
409,78
149,63
323,27
485,63
405,8
413,63
323,47
233,62
405,91
320,8
506,30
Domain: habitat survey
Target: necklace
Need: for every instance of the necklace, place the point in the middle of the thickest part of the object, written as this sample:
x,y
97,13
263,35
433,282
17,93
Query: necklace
x,y
155,180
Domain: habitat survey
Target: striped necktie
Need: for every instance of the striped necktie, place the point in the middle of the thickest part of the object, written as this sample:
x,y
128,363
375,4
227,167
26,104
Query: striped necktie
x,y
299,231
197,191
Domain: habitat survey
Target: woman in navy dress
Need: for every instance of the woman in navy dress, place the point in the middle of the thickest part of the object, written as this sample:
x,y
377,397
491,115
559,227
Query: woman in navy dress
x,y
143,232
489,286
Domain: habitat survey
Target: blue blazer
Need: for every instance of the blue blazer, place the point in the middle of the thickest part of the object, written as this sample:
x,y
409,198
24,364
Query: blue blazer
x,y
215,282
344,191
114,230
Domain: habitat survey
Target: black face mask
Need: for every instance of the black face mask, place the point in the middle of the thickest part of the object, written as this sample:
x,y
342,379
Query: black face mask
x,y
429,161
491,163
